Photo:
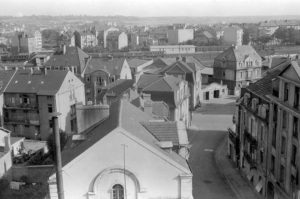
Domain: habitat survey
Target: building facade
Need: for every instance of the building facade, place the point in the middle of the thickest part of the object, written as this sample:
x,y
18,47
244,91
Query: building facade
x,y
265,142
84,39
233,36
32,96
174,49
180,35
237,67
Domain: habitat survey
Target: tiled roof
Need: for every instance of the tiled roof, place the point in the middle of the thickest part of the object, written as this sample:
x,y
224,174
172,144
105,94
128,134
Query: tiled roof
x,y
147,79
112,67
117,88
74,56
275,61
5,77
134,63
263,87
163,131
39,83
238,53
124,115
165,84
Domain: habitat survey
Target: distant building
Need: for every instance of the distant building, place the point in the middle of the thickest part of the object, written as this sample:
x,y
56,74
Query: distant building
x,y
32,95
100,73
172,90
237,67
180,35
5,152
174,49
116,41
71,58
126,134
84,39
233,36
24,43
188,69
106,32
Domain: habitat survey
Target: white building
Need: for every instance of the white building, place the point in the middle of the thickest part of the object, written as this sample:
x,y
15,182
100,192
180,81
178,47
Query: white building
x,y
233,36
120,158
180,35
174,49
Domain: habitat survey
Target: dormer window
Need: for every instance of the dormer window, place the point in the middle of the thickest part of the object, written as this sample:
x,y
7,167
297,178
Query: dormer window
x,y
286,92
254,104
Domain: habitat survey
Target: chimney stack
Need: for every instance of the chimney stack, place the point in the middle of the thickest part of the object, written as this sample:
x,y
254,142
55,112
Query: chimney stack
x,y
31,70
147,103
7,144
64,49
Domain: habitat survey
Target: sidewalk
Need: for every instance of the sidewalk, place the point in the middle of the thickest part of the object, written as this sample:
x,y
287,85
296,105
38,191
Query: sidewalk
x,y
240,186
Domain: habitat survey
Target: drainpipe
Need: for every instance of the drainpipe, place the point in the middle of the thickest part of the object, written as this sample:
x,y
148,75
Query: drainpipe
x,y
58,165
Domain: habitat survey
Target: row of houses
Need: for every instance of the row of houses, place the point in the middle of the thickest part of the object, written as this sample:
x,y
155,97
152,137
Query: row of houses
x,y
264,143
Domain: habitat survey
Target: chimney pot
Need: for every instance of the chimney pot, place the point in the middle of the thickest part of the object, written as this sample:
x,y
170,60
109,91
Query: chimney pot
x,y
7,143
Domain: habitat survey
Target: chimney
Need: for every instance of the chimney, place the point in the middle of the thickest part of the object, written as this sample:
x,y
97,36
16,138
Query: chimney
x,y
31,70
147,103
5,68
64,49
7,144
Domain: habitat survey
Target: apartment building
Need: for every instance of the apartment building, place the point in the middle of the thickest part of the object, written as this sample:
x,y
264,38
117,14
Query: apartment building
x,y
236,67
265,141
85,38
233,36
171,90
180,35
33,95
26,43
116,40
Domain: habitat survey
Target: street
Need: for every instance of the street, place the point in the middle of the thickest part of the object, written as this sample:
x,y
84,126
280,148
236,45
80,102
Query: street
x,y
208,130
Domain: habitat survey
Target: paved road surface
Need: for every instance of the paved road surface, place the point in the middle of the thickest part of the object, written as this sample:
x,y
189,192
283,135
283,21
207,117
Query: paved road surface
x,y
209,128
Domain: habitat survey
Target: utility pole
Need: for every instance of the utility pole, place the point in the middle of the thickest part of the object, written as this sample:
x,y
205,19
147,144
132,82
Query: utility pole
x,y
59,179
124,154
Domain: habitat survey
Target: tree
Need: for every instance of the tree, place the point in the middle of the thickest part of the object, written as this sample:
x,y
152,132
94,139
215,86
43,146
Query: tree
x,y
51,143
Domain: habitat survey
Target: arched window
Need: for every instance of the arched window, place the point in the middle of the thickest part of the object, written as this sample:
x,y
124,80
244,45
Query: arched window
x,y
118,191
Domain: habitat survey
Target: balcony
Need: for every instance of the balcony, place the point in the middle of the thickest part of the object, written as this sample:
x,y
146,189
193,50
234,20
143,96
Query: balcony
x,y
232,136
253,142
20,106
250,160
21,121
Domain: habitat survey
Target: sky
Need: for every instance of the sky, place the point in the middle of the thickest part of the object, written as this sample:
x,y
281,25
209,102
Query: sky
x,y
148,8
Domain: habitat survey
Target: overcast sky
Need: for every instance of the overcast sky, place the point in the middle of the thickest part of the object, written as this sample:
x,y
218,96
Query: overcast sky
x,y
150,7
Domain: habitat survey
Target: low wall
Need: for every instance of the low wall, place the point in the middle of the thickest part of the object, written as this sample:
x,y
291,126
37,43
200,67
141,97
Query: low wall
x,y
39,173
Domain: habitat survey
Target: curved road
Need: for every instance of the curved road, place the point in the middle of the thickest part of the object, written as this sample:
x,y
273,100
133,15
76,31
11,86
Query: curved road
x,y
208,131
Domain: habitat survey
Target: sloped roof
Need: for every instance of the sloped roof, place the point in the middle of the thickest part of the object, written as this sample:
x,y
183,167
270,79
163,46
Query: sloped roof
x,y
39,83
164,84
238,53
117,88
163,131
182,65
124,115
275,61
263,87
74,56
5,77
134,63
112,67
147,79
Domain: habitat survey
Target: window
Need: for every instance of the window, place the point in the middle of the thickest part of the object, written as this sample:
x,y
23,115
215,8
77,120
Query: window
x,y
272,164
118,192
274,138
25,99
283,145
261,154
87,79
297,97
294,155
51,124
50,108
286,92
282,174
284,119
295,127
12,100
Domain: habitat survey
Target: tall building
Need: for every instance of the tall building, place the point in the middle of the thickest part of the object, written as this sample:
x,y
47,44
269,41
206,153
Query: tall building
x,y
265,141
233,35
84,39
25,43
180,35
116,41
236,67
33,95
